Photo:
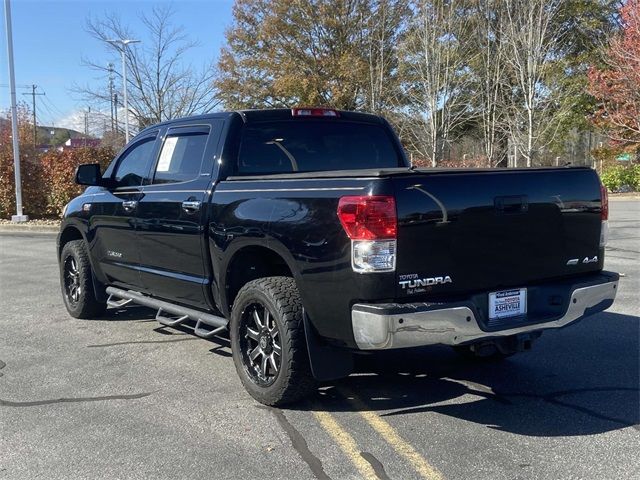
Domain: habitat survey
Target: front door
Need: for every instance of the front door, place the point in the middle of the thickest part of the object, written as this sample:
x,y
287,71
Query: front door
x,y
113,214
173,261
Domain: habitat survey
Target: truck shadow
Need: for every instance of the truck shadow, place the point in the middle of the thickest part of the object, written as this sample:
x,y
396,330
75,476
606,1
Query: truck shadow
x,y
558,389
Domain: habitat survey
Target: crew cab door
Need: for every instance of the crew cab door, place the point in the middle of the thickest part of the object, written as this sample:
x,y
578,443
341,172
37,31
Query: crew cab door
x,y
173,258
113,214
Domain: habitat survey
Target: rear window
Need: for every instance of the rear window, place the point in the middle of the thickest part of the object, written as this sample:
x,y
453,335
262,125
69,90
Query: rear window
x,y
308,146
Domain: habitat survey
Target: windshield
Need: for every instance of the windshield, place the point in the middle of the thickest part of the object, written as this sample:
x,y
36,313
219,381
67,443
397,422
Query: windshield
x,y
308,146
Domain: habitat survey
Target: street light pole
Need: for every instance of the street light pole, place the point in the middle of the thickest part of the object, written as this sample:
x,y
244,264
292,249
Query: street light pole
x,y
18,217
124,42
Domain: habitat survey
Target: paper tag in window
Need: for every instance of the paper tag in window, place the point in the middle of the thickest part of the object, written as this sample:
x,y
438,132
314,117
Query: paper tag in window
x,y
167,154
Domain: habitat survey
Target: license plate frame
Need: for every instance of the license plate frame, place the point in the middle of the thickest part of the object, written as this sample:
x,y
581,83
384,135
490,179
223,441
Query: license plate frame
x,y
510,303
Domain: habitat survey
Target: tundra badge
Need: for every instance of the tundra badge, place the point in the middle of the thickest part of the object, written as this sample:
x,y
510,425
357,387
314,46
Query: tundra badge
x,y
412,281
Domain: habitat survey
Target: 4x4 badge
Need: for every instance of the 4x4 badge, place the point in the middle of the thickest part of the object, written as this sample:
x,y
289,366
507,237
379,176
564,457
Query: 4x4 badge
x,y
575,261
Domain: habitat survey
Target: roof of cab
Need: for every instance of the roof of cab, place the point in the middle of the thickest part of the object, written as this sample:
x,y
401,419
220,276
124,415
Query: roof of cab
x,y
271,114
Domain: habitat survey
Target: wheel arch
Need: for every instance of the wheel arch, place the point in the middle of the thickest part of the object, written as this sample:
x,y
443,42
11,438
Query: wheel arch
x,y
69,233
249,262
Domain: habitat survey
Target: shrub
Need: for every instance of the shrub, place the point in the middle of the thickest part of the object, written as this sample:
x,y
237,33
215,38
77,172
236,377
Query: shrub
x,y
47,178
58,168
621,178
29,169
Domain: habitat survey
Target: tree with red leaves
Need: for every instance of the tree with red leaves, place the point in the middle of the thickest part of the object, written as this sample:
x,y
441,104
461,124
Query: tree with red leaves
x,y
616,85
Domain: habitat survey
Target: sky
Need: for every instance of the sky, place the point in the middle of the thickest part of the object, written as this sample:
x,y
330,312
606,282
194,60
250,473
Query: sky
x,y
49,42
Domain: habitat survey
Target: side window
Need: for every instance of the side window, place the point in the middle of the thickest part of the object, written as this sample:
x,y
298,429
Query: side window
x,y
134,165
181,156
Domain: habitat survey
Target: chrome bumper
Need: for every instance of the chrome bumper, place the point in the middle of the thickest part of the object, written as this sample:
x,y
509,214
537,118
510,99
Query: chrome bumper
x,y
424,325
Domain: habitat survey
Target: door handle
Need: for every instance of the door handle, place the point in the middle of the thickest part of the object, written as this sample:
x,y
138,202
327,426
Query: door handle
x,y
129,204
190,206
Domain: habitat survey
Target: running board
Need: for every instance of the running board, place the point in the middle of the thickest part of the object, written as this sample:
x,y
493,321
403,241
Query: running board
x,y
117,303
204,333
171,321
178,314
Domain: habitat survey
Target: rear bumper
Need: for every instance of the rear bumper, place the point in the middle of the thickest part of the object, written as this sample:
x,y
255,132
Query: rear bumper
x,y
386,326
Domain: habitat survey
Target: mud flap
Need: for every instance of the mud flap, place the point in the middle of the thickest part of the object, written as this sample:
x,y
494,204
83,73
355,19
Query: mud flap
x,y
327,362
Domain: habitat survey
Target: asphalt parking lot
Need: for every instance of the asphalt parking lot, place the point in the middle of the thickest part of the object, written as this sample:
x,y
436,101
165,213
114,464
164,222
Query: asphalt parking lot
x,y
120,397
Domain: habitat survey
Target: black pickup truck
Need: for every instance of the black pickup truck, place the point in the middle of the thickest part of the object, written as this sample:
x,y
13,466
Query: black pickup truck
x,y
308,236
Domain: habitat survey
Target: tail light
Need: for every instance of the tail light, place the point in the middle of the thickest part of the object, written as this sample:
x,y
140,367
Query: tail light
x,y
371,224
604,196
604,215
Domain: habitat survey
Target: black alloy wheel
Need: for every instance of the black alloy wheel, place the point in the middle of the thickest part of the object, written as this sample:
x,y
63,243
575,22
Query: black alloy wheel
x,y
71,278
260,342
76,281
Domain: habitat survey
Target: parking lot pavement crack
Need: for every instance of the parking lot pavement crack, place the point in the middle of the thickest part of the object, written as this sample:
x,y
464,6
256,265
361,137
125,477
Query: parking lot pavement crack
x,y
2,365
376,464
135,396
300,445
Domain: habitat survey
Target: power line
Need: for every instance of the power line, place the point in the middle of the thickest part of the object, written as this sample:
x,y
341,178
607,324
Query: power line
x,y
33,97
55,109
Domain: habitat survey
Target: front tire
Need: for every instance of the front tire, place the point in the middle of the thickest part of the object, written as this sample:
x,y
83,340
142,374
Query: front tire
x,y
268,341
77,282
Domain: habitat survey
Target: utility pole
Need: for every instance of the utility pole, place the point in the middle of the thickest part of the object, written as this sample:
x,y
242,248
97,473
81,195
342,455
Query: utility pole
x,y
86,125
124,42
33,100
115,110
111,92
18,217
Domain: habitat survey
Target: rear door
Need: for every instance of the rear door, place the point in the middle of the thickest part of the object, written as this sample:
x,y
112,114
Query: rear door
x,y
170,214
461,232
113,213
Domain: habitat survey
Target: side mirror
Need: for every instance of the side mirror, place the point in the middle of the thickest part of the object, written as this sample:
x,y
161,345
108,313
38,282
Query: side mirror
x,y
89,174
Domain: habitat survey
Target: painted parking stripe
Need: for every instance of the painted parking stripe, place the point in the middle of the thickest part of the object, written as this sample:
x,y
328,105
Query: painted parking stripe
x,y
346,443
389,434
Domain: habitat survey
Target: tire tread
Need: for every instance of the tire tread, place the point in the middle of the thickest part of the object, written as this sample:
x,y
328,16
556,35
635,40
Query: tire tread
x,y
299,381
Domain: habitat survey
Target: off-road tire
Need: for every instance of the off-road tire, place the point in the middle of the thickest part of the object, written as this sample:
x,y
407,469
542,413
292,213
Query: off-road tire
x,y
294,380
86,306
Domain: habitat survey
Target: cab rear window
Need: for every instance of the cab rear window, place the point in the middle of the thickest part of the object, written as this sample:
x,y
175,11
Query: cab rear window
x,y
309,145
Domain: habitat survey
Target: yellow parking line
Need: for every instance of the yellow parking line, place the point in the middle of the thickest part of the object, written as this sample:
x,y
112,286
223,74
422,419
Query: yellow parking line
x,y
386,431
346,443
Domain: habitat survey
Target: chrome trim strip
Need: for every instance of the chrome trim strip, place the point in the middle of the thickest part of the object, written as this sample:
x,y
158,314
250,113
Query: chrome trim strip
x,y
174,191
316,189
239,179
153,191
449,326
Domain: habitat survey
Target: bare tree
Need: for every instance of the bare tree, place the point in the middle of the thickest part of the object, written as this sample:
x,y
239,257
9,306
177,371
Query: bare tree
x,y
490,76
161,85
382,30
435,66
534,107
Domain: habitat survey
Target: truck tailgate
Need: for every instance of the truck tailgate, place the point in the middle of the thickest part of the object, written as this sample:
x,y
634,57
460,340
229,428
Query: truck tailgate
x,y
460,232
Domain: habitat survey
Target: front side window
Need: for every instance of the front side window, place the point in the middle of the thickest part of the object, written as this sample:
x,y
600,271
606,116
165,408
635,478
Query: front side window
x,y
134,164
181,157
308,146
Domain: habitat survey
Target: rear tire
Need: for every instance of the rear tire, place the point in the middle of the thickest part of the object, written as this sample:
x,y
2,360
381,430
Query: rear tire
x,y
77,282
268,341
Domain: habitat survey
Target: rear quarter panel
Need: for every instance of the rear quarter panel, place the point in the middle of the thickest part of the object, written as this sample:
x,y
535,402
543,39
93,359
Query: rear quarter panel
x,y
297,219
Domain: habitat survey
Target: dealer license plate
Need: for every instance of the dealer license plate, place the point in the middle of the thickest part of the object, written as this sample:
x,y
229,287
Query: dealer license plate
x,y
508,303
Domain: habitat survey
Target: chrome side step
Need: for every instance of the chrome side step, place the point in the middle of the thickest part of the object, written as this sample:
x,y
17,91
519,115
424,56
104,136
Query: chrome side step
x,y
169,314
117,303
173,321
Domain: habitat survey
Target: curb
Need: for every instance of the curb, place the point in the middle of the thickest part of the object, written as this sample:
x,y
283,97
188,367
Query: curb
x,y
18,228
624,199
